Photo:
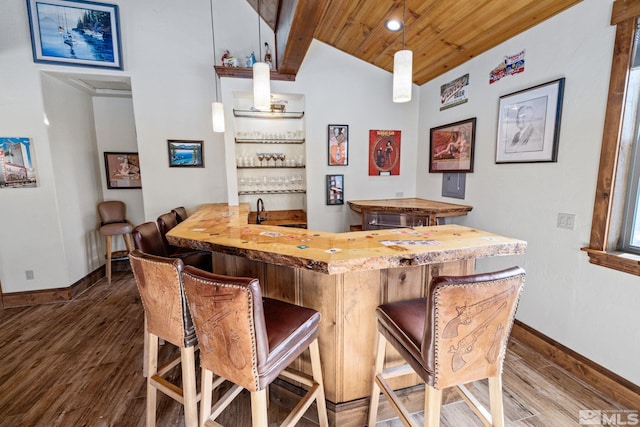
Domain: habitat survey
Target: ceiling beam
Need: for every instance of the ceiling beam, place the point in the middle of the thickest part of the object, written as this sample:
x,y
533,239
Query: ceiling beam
x,y
297,22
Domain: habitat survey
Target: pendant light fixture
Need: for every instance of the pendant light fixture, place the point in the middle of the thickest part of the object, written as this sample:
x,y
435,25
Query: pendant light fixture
x,y
217,109
402,68
261,77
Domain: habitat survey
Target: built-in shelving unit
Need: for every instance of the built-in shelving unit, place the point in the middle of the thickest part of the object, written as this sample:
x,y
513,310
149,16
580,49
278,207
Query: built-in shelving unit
x,y
270,151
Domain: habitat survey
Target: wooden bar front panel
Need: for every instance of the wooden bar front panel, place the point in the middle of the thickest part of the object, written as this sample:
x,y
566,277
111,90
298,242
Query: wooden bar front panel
x,y
347,302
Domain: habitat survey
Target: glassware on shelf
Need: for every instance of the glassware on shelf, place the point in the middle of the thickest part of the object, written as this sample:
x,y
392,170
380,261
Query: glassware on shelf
x,y
261,158
282,157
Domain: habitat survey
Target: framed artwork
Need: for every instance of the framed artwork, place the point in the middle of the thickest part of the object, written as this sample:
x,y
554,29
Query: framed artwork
x,y
452,147
529,124
335,189
338,145
81,33
16,165
384,152
123,170
185,154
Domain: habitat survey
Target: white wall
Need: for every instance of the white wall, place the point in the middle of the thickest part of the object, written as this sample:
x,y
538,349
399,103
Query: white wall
x,y
30,236
169,56
115,131
74,156
590,309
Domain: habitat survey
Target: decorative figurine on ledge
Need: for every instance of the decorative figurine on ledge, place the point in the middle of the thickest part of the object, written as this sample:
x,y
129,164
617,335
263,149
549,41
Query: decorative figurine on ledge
x,y
228,60
267,55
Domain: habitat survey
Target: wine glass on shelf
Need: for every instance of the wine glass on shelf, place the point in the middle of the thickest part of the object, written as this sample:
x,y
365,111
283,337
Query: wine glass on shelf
x,y
272,184
261,158
282,157
242,183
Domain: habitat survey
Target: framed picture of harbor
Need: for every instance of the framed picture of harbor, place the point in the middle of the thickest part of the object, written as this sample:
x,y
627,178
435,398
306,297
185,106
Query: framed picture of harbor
x,y
335,189
80,33
185,154
123,170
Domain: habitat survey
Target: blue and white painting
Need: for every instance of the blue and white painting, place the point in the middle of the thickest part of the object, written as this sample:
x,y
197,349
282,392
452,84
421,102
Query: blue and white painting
x,y
75,32
16,165
185,154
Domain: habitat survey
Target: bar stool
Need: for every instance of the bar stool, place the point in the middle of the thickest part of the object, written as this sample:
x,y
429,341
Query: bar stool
x,y
166,317
180,213
457,335
114,223
250,341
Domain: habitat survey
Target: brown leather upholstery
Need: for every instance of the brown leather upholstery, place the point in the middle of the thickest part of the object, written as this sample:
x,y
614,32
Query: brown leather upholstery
x,y
147,238
245,338
113,212
113,222
167,316
165,223
160,285
459,332
180,214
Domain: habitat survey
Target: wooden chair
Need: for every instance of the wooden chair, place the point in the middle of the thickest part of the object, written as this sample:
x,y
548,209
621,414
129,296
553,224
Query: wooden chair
x,y
113,222
167,317
250,341
457,335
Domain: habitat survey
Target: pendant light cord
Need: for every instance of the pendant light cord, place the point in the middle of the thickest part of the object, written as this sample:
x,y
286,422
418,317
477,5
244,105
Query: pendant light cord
x,y
404,22
213,42
259,35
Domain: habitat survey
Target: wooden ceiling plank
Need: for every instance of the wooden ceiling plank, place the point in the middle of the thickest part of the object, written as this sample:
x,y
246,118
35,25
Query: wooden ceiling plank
x,y
482,42
336,20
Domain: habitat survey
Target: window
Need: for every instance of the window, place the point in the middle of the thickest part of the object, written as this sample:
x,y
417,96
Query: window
x,y
615,227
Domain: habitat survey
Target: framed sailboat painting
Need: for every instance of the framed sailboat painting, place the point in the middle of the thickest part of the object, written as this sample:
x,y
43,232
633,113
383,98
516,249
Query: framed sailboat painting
x,y
80,33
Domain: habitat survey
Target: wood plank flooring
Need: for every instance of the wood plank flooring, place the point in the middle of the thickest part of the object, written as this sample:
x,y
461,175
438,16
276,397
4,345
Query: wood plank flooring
x,y
79,363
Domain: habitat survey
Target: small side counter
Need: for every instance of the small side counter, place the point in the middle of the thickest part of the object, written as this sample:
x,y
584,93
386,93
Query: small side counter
x,y
431,210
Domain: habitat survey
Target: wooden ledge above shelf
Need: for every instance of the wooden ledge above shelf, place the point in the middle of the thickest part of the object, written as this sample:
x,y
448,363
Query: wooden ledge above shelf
x,y
247,73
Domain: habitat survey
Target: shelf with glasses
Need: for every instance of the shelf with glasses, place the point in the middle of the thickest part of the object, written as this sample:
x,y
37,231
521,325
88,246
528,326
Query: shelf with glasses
x,y
269,114
271,167
269,141
248,193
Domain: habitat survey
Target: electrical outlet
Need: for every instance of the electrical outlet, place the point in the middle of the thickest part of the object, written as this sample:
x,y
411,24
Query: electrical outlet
x,y
566,220
29,274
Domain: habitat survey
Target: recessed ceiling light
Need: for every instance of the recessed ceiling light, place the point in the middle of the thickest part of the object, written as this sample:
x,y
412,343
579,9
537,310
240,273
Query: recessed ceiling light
x,y
393,25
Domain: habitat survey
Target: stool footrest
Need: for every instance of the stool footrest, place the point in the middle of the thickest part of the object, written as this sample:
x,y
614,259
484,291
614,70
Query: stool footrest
x,y
118,255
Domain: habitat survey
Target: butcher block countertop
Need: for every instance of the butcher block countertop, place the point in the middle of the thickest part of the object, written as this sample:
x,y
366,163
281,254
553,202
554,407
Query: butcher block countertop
x,y
225,229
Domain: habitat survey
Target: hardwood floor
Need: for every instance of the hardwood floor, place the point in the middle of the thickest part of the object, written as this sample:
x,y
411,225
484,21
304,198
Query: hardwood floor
x,y
79,363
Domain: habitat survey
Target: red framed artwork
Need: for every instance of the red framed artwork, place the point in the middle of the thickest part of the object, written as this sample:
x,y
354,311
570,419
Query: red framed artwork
x,y
452,147
384,152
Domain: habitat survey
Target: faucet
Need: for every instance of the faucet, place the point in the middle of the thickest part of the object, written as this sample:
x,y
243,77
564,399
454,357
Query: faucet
x,y
259,211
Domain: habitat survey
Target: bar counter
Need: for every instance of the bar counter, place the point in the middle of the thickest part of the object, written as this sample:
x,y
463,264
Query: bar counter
x,y
345,276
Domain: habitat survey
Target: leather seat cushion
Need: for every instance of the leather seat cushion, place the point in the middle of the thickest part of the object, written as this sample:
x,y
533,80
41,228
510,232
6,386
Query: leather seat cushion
x,y
290,329
116,228
402,324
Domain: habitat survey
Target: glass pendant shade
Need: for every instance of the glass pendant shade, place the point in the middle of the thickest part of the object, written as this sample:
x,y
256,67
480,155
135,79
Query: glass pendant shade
x,y
402,75
217,116
261,86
